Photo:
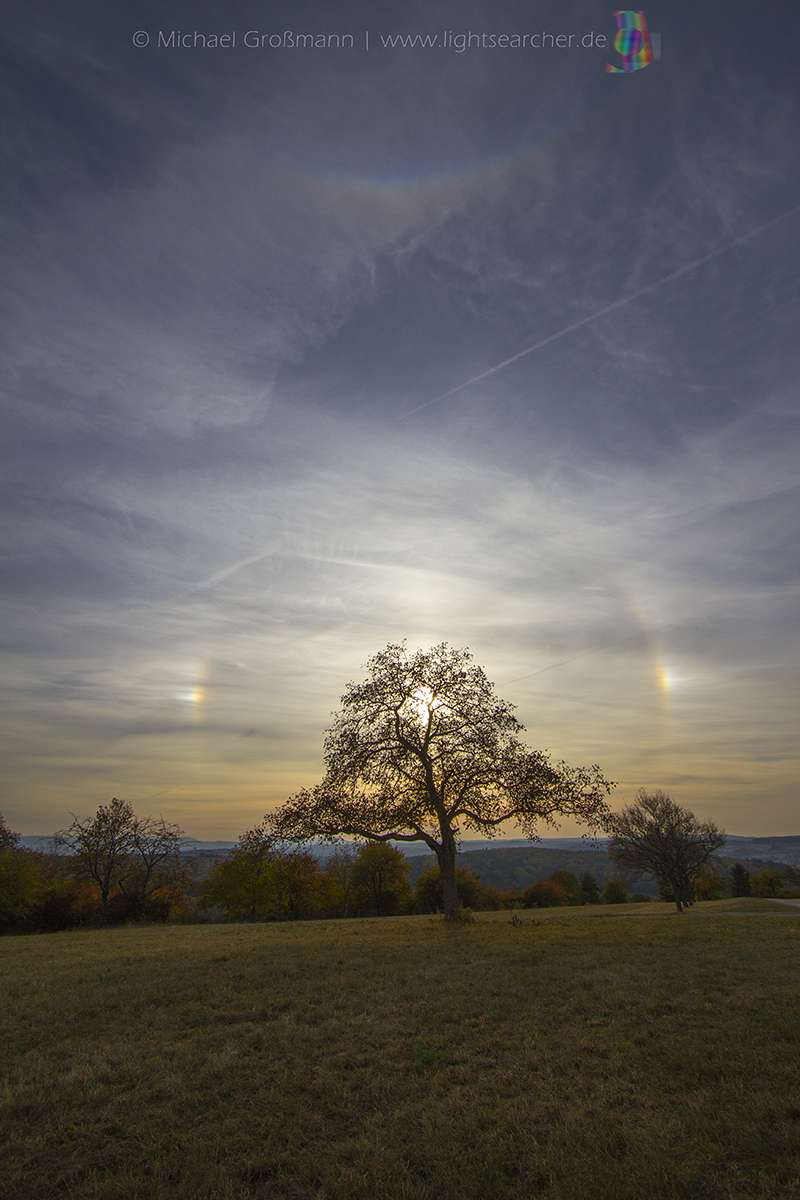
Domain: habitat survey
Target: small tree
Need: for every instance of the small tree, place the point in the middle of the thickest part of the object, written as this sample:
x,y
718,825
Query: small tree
x,y
615,892
590,889
300,888
22,883
423,750
102,847
340,868
380,878
260,880
656,835
569,883
769,882
163,873
740,880
241,885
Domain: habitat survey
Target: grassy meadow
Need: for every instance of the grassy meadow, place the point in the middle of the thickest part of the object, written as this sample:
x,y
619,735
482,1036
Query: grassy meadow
x,y
572,1054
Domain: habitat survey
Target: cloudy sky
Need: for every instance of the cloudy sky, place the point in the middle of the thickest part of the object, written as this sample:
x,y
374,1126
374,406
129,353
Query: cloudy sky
x,y
256,426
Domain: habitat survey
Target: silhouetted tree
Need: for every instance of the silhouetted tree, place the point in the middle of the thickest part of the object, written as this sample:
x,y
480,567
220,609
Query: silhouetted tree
x,y
135,862
422,750
300,886
615,892
380,878
656,835
590,888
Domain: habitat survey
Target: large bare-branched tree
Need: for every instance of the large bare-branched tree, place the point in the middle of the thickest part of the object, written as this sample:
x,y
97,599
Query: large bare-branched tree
x,y
659,837
423,750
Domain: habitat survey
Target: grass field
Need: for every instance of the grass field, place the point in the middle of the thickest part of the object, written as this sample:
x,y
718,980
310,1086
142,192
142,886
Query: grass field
x,y
578,1055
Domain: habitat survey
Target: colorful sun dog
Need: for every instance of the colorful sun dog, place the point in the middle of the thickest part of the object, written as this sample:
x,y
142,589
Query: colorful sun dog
x,y
632,42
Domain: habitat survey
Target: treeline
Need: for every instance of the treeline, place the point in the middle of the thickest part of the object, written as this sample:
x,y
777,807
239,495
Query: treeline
x,y
112,868
117,867
257,882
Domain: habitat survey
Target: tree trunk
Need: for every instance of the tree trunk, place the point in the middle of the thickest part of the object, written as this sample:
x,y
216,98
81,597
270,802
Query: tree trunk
x,y
447,873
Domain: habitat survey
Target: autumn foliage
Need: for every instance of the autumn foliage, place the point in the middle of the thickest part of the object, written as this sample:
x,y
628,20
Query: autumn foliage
x,y
544,893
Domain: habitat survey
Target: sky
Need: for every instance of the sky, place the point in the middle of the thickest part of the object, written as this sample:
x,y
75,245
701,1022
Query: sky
x,y
312,348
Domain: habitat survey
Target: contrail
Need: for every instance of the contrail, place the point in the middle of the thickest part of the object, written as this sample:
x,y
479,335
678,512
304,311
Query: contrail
x,y
566,661
225,572
601,312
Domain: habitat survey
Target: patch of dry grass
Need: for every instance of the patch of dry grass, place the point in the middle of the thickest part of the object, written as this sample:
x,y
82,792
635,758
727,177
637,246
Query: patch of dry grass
x,y
564,1057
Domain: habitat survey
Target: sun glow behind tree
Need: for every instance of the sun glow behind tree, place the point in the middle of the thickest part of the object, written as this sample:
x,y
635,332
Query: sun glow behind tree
x,y
421,750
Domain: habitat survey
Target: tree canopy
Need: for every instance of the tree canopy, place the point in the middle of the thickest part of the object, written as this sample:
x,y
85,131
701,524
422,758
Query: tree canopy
x,y
656,835
9,840
423,750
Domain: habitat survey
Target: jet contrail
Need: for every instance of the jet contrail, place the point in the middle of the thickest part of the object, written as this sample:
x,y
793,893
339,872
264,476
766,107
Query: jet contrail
x,y
566,661
601,312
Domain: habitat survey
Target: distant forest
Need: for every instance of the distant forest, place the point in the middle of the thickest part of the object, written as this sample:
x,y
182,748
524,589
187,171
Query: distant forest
x,y
516,868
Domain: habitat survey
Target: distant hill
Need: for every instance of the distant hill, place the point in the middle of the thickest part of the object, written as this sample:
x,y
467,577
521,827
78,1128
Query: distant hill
x,y
770,849
189,845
